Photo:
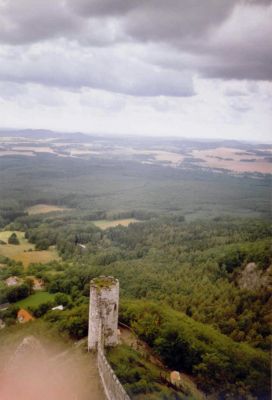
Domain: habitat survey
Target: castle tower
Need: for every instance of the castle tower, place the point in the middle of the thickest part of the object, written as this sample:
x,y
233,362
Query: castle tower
x,y
103,312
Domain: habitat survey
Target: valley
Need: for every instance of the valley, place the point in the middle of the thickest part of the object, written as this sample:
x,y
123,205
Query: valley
x,y
188,240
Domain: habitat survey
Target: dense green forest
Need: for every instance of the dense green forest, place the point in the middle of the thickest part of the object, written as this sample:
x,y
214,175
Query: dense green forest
x,y
194,271
109,187
194,268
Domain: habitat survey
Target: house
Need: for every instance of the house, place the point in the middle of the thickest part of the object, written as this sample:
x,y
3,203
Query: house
x,y
60,307
13,281
38,284
4,306
24,316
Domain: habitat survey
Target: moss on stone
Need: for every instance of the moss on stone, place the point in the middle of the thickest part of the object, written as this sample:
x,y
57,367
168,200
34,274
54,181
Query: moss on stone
x,y
103,282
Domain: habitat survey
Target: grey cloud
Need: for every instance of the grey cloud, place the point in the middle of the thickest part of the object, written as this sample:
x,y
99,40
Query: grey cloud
x,y
234,93
27,21
11,90
190,35
175,20
99,70
103,8
233,50
158,20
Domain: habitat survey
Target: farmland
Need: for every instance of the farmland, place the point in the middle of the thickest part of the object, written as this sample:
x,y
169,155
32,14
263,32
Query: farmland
x,y
234,160
44,209
105,224
25,252
235,157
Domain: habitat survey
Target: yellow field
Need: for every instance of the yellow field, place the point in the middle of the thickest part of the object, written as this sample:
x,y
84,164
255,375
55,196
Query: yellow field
x,y
44,209
21,252
4,235
236,160
104,223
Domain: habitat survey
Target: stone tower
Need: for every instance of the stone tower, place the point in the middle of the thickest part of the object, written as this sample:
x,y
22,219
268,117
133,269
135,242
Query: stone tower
x,y
103,312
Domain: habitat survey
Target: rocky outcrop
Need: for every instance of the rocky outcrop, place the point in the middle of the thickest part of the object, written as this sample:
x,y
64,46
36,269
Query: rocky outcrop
x,y
253,278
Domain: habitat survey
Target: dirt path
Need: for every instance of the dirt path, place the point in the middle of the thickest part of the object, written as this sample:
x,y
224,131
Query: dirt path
x,y
32,373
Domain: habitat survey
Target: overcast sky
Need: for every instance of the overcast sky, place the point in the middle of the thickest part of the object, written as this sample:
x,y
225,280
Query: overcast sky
x,y
191,68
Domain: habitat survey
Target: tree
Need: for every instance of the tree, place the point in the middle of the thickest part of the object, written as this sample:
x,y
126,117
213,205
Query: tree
x,y
62,298
13,239
16,293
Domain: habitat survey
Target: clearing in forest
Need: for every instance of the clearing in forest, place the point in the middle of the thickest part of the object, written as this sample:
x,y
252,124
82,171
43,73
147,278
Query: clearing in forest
x,y
25,251
104,223
44,209
35,300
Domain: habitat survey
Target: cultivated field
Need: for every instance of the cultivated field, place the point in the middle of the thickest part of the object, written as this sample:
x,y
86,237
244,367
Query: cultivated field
x,y
25,251
44,209
248,158
40,256
104,224
235,160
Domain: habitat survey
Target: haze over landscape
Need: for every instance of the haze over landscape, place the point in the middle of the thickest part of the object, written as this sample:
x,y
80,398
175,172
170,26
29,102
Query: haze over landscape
x,y
135,199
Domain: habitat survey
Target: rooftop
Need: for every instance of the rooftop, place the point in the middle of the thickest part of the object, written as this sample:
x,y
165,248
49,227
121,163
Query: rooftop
x,y
24,315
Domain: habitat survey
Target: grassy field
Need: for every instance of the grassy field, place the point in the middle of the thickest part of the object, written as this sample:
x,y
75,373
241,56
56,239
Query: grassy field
x,y
4,235
44,209
104,223
24,252
35,300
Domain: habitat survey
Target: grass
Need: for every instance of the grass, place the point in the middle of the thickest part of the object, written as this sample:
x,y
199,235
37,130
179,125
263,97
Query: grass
x,y
104,223
129,339
4,235
21,252
35,300
141,378
33,257
44,209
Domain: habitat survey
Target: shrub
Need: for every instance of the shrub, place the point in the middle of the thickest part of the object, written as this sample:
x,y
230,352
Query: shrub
x,y
193,347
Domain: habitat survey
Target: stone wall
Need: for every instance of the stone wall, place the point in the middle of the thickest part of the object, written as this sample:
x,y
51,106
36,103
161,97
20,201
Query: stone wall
x,y
111,384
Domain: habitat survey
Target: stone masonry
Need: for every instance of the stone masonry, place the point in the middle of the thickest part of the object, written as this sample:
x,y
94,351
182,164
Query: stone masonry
x,y
103,313
103,327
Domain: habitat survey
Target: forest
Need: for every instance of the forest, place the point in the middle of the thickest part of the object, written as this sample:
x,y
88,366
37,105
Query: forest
x,y
194,270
